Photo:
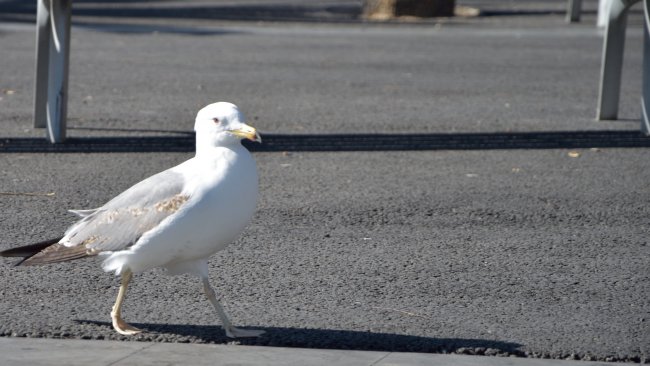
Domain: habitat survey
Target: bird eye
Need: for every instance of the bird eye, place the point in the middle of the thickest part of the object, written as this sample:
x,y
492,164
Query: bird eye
x,y
216,120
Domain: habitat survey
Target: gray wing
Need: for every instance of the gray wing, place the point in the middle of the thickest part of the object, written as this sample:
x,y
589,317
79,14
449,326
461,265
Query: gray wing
x,y
120,222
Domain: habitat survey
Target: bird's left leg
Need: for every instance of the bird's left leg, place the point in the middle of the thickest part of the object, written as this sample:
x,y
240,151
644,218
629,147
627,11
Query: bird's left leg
x,y
120,325
231,331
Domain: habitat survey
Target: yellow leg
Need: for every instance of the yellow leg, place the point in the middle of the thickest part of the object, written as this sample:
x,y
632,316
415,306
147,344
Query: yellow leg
x,y
120,325
231,331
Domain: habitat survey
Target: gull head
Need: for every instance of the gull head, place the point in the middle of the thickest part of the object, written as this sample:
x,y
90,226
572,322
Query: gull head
x,y
221,124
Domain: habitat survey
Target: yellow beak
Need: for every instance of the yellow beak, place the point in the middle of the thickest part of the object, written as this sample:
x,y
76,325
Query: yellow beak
x,y
247,132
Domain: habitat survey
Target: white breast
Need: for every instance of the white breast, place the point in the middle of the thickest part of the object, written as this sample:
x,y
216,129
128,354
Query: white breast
x,y
222,194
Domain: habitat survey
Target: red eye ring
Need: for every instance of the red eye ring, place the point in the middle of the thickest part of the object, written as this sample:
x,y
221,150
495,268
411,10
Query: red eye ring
x,y
215,120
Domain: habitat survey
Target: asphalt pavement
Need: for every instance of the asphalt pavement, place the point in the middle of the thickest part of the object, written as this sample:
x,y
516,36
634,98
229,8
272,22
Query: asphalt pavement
x,y
426,188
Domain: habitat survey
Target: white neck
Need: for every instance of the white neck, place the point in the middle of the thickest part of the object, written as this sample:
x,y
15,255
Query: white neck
x,y
208,145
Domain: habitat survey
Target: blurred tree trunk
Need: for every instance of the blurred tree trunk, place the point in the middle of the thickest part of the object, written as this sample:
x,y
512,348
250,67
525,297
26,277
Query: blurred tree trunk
x,y
386,9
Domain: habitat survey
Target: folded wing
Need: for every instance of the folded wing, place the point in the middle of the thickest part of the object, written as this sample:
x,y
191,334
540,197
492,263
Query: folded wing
x,y
119,223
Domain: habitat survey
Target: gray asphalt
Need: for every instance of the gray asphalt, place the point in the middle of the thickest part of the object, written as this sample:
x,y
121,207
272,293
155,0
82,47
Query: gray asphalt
x,y
531,249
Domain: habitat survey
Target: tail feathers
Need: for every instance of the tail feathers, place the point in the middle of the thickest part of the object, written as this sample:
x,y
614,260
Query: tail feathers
x,y
28,250
48,251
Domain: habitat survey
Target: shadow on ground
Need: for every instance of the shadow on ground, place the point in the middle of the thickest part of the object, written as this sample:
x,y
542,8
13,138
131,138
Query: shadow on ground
x,y
343,142
322,339
18,10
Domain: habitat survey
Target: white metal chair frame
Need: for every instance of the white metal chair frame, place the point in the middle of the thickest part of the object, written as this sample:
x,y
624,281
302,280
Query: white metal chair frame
x,y
52,57
612,64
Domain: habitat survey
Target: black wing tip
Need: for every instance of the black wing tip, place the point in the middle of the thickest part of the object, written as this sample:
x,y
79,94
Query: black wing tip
x,y
27,251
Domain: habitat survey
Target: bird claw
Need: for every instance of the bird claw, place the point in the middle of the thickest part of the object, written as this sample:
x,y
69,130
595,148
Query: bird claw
x,y
233,332
124,328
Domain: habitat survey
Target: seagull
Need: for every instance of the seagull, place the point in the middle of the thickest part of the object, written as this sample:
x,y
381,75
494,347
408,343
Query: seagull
x,y
174,220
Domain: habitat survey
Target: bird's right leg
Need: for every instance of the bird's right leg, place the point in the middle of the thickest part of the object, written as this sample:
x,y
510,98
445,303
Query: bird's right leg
x,y
231,331
120,325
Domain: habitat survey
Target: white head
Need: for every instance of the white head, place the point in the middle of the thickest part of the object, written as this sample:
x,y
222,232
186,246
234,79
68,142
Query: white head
x,y
221,124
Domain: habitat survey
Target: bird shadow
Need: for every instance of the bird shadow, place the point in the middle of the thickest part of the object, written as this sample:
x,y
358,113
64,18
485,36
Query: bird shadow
x,y
319,338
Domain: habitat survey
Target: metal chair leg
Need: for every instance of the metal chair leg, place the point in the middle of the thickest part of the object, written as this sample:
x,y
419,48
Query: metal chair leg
x,y
53,52
645,97
43,32
612,64
573,11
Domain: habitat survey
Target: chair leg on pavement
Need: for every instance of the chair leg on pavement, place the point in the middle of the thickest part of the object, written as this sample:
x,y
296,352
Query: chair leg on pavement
x,y
43,32
612,64
573,11
52,58
645,93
